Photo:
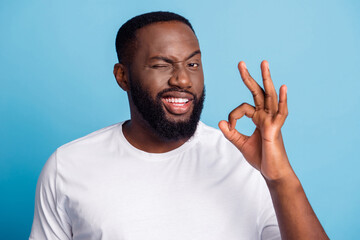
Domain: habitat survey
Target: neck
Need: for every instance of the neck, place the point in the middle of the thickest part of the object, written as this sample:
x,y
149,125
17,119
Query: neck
x,y
143,137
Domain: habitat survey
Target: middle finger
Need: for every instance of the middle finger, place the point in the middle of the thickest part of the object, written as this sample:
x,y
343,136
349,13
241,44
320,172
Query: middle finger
x,y
271,100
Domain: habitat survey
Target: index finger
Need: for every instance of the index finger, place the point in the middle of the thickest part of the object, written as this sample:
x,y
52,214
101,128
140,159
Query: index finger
x,y
252,85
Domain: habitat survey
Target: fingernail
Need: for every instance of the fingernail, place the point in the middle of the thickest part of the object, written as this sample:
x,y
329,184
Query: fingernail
x,y
245,65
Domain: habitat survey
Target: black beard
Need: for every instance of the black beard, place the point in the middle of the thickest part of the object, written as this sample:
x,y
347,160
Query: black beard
x,y
153,113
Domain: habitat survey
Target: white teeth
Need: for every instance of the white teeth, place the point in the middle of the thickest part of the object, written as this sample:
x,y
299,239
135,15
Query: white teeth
x,y
177,100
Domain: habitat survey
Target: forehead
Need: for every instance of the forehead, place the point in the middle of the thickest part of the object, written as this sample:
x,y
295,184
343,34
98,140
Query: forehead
x,y
173,39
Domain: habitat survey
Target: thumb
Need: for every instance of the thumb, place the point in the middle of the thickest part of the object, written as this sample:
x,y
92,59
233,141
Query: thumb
x,y
233,135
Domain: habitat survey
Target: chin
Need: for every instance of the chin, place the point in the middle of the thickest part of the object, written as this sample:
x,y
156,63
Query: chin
x,y
178,118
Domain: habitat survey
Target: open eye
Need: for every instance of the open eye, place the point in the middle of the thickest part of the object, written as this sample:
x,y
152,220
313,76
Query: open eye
x,y
194,65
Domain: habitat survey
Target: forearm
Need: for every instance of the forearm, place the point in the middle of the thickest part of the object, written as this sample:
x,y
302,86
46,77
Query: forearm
x,y
296,218
265,151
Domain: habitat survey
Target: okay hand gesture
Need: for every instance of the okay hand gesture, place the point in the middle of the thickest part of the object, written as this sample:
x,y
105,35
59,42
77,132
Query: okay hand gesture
x,y
264,149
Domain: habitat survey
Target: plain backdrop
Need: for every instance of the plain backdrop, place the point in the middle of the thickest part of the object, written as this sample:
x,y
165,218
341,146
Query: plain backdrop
x,y
56,62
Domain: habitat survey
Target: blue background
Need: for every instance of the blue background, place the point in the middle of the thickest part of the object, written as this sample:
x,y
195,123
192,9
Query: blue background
x,y
56,61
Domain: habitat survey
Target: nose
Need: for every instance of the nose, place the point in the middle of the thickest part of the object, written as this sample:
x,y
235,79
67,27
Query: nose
x,y
180,78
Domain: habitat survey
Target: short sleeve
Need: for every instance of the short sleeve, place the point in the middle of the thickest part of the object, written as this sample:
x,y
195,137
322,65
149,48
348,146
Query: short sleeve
x,y
269,227
50,220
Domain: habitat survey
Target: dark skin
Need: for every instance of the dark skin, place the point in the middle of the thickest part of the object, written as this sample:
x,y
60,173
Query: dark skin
x,y
168,55
265,151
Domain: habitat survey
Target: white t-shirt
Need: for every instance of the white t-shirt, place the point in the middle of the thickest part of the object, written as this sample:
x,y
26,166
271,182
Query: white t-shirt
x,y
101,187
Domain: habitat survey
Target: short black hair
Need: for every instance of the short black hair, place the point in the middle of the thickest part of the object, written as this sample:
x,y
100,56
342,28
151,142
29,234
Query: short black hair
x,y
126,36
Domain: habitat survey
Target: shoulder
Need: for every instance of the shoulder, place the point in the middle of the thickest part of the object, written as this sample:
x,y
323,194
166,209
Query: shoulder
x,y
222,154
85,152
213,138
95,137
78,156
212,143
93,142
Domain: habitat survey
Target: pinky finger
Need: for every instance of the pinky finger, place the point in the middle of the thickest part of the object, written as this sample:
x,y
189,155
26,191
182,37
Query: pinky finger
x,y
283,107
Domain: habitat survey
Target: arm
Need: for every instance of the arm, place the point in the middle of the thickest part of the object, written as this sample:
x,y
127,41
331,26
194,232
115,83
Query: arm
x,y
50,221
265,151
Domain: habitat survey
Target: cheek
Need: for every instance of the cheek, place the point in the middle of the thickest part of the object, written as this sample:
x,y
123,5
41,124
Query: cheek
x,y
156,78
151,83
198,81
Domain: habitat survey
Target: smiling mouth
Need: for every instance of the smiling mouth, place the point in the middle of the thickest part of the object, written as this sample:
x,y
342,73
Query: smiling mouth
x,y
177,103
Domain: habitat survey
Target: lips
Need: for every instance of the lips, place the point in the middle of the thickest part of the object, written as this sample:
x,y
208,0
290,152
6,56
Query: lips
x,y
177,103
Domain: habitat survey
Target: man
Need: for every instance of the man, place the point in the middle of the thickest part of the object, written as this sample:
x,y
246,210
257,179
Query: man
x,y
165,175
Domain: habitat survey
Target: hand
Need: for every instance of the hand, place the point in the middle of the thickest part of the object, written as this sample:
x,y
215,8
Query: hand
x,y
264,149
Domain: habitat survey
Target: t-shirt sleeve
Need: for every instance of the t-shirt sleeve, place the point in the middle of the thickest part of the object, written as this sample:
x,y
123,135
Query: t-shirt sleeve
x,y
50,219
269,227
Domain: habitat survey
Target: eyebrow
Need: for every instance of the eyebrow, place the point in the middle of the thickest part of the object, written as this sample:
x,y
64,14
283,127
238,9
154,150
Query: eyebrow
x,y
168,60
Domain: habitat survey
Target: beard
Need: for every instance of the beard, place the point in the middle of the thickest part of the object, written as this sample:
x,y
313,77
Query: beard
x,y
154,114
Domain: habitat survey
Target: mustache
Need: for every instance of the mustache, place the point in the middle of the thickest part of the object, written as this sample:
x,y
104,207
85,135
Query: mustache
x,y
174,89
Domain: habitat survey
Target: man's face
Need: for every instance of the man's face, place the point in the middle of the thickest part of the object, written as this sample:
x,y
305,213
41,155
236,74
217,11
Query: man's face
x,y
166,79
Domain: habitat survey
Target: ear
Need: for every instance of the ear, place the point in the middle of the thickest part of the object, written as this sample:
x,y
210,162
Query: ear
x,y
121,76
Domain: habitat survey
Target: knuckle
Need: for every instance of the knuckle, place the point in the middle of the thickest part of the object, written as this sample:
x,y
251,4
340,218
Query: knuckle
x,y
243,105
232,114
231,137
267,95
